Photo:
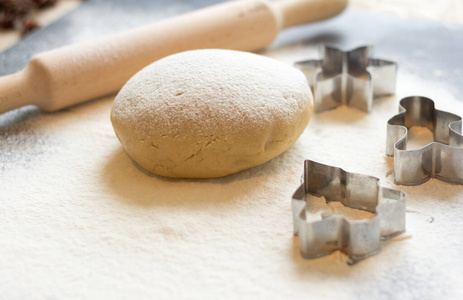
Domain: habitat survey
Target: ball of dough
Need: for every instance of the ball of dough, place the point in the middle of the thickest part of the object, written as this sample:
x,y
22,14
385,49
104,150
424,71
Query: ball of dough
x,y
211,113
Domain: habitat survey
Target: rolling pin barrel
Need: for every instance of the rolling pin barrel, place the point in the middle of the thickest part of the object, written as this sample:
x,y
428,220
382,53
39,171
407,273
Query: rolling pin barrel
x,y
70,75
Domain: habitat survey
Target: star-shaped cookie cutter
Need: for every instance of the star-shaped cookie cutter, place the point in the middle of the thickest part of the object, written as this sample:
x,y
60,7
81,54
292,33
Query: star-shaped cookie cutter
x,y
356,238
348,77
441,159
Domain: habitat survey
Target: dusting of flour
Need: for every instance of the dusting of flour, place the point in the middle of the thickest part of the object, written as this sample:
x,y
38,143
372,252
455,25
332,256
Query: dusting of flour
x,y
80,220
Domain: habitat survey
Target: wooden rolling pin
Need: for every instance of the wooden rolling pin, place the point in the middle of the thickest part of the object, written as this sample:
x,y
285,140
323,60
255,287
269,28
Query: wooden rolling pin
x,y
69,75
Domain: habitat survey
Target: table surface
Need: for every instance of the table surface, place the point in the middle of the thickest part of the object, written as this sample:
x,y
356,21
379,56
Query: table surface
x,y
80,220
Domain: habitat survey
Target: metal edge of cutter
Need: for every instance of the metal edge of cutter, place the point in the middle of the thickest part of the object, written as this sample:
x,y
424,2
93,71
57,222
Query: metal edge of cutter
x,y
349,78
356,238
441,159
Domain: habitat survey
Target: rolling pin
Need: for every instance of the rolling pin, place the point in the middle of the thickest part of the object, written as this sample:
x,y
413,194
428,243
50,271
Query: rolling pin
x,y
73,74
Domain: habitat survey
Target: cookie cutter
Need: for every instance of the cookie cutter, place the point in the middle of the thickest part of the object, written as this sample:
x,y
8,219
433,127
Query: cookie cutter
x,y
441,159
349,78
322,235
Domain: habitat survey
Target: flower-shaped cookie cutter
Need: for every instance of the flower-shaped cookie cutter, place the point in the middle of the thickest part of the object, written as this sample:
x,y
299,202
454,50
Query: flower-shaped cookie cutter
x,y
348,77
322,235
441,159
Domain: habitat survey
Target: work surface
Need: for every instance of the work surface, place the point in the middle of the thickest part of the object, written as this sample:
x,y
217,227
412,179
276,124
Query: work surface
x,y
79,220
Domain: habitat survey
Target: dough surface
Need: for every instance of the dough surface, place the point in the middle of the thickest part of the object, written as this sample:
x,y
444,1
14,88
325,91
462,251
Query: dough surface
x,y
211,113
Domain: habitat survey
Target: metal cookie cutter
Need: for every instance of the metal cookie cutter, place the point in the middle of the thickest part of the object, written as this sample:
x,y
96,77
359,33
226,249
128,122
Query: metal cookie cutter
x,y
441,159
350,78
358,239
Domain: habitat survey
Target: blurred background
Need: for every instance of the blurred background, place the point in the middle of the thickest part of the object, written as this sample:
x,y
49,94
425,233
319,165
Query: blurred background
x,y
19,17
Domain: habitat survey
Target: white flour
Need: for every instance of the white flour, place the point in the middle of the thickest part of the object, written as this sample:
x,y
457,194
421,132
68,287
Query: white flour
x,y
80,220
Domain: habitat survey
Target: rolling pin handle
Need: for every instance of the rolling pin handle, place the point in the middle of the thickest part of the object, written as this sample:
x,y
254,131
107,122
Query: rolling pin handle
x,y
298,12
17,90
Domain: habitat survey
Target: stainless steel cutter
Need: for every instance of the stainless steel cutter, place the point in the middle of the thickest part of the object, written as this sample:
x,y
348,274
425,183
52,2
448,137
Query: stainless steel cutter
x,y
348,77
322,235
442,159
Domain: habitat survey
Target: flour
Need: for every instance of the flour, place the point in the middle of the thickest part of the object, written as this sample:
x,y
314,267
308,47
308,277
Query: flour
x,y
80,220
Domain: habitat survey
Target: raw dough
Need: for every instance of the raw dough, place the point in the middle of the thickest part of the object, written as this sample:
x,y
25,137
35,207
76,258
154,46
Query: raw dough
x,y
210,113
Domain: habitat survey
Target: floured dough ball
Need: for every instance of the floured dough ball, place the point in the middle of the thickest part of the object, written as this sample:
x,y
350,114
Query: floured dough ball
x,y
210,113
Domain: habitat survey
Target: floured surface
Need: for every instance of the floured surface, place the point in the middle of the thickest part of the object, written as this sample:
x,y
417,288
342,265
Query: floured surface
x,y
80,220
317,208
